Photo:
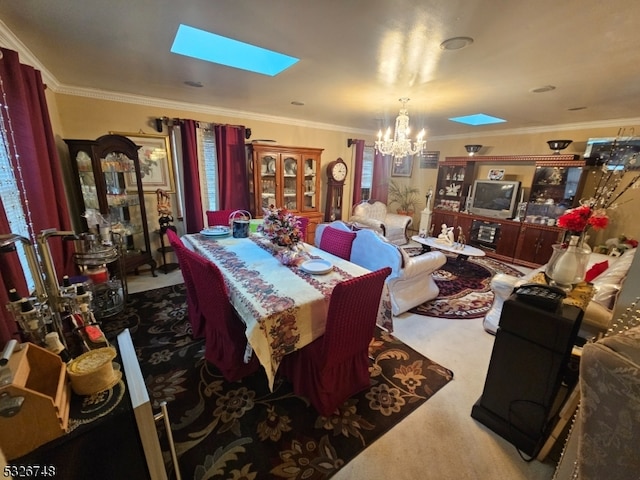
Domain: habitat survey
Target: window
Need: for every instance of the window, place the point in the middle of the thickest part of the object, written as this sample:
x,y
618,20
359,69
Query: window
x,y
208,168
367,173
10,194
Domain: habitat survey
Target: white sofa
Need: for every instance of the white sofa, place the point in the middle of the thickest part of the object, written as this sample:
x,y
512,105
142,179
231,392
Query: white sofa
x,y
410,283
597,316
374,216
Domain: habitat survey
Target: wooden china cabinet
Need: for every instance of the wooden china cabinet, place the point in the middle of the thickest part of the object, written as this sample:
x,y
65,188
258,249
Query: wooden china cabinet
x,y
107,179
286,177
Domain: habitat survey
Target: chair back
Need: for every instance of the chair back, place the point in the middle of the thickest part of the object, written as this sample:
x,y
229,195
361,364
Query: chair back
x,y
193,309
219,217
303,222
225,339
352,315
337,242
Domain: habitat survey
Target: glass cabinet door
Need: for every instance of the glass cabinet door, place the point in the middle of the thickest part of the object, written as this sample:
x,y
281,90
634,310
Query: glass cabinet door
x,y
87,180
553,191
267,182
123,199
310,171
290,172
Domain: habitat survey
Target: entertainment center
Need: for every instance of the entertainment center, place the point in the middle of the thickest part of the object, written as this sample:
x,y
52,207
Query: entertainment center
x,y
508,205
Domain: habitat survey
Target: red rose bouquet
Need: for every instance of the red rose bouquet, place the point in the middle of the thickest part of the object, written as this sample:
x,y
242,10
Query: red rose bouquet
x,y
580,218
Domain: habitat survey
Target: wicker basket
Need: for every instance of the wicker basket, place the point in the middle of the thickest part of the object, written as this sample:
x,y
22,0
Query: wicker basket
x,y
93,372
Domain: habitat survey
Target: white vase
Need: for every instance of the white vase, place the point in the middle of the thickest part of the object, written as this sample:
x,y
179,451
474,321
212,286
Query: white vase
x,y
567,266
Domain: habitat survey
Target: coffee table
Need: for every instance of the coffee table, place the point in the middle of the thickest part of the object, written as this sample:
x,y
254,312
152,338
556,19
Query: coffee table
x,y
463,253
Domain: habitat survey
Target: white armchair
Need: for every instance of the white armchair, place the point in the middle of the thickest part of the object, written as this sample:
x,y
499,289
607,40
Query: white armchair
x,y
374,216
410,283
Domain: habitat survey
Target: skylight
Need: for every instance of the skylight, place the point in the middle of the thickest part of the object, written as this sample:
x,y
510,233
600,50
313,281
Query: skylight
x,y
477,119
196,43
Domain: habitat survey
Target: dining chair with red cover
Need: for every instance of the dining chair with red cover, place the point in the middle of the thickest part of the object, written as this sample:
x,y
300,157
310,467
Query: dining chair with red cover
x,y
303,222
335,366
224,331
193,310
218,217
337,242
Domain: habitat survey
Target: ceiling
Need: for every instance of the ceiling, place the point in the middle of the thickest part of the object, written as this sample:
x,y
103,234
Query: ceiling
x,y
357,58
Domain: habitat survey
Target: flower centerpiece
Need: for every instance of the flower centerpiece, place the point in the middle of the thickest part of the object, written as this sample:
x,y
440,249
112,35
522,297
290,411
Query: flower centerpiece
x,y
281,227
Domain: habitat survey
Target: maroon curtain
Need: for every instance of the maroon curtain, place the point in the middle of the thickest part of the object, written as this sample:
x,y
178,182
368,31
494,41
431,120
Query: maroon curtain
x,y
193,214
233,178
381,170
39,162
357,174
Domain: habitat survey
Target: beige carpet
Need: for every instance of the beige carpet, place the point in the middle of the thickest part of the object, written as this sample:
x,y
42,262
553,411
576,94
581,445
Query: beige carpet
x,y
439,440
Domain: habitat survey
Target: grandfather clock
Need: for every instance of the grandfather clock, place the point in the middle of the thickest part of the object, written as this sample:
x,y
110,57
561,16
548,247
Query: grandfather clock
x,y
336,175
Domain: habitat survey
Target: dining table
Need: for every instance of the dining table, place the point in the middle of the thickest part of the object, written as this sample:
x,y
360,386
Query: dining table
x,y
284,307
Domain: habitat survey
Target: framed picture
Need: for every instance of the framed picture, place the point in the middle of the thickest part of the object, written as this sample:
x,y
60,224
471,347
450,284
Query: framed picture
x,y
429,159
403,167
156,167
496,174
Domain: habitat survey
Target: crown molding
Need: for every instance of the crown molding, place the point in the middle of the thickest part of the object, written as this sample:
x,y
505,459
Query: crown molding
x,y
616,123
199,108
9,40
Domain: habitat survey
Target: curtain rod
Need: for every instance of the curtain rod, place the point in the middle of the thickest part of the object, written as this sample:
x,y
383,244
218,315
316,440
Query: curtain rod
x,y
173,121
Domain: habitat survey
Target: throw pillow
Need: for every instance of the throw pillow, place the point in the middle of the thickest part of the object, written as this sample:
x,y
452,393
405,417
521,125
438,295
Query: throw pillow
x,y
337,242
596,270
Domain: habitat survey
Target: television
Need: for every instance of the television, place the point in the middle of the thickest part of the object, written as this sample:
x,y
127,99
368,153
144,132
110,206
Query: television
x,y
615,152
494,198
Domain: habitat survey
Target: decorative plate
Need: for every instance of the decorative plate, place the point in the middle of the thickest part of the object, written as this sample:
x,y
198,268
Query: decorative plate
x,y
317,266
216,231
496,174
271,167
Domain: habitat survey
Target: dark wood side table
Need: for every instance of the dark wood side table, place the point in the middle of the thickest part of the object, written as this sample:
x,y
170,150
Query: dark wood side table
x,y
166,267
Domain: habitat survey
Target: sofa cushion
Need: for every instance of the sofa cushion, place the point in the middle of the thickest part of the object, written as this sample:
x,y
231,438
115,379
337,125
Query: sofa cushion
x,y
337,242
609,282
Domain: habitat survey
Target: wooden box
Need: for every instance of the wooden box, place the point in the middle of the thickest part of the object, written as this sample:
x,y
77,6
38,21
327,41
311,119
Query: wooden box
x,y
35,403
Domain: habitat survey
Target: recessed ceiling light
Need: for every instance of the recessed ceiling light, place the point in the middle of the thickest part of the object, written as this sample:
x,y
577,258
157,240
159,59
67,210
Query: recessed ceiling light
x,y
297,103
196,43
543,89
191,83
477,119
456,43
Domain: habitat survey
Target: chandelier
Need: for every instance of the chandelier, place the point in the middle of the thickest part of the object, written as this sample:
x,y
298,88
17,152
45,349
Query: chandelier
x,y
401,145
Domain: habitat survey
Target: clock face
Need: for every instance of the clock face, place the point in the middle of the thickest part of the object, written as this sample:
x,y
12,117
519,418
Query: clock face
x,y
339,172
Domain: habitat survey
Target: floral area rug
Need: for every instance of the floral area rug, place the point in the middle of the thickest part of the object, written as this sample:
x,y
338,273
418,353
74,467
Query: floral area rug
x,y
242,430
465,290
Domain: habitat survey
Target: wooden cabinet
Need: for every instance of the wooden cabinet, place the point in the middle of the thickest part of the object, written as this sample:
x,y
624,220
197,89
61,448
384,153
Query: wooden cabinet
x,y
534,244
107,178
506,240
287,177
506,247
551,183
